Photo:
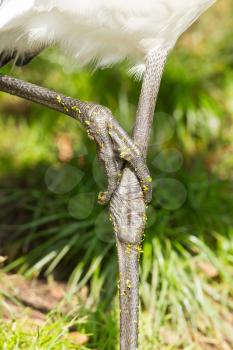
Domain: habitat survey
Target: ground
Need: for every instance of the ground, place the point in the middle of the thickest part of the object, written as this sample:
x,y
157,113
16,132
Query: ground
x,y
48,234
36,314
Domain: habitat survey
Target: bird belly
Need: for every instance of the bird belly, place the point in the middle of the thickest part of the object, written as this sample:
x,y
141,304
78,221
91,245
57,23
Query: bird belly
x,y
101,32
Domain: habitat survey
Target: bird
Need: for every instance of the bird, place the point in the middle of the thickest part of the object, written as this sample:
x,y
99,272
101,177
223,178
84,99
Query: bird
x,y
102,33
97,32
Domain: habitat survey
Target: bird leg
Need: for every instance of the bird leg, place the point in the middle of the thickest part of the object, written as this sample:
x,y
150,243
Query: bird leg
x,y
128,210
100,125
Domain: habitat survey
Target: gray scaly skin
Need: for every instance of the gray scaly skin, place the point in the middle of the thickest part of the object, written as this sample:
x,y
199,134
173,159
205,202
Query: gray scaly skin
x,y
101,126
128,209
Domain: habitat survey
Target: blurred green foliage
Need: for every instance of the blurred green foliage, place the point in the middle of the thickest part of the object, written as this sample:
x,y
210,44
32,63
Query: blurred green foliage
x,y
186,269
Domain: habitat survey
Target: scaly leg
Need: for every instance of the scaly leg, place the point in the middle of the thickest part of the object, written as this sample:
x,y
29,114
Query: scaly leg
x,y
100,125
128,211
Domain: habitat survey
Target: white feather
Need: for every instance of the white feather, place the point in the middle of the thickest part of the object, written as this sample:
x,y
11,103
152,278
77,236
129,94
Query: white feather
x,y
100,31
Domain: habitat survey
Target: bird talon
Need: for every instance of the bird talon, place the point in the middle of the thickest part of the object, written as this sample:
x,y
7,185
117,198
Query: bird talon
x,y
103,198
138,163
146,185
110,137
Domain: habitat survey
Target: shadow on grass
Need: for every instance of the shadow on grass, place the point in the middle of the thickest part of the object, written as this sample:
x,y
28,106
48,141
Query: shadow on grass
x,y
36,225
40,238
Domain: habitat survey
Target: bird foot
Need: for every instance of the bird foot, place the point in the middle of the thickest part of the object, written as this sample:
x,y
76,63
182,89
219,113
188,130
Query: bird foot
x,y
115,146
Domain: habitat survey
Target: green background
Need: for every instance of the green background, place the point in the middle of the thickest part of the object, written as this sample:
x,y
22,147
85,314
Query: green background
x,y
51,225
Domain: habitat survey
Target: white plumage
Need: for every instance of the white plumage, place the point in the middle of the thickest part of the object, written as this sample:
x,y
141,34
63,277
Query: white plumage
x,y
99,31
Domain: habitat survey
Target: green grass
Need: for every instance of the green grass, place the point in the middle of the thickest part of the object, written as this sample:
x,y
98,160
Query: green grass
x,y
53,335
187,323
186,265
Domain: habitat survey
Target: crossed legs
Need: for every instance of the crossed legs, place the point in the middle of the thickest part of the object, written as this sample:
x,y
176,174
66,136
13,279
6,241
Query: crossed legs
x,y
114,144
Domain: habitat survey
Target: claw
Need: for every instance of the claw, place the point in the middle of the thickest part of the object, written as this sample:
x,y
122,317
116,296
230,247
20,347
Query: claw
x,y
108,135
144,177
103,198
107,155
101,125
132,154
146,185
